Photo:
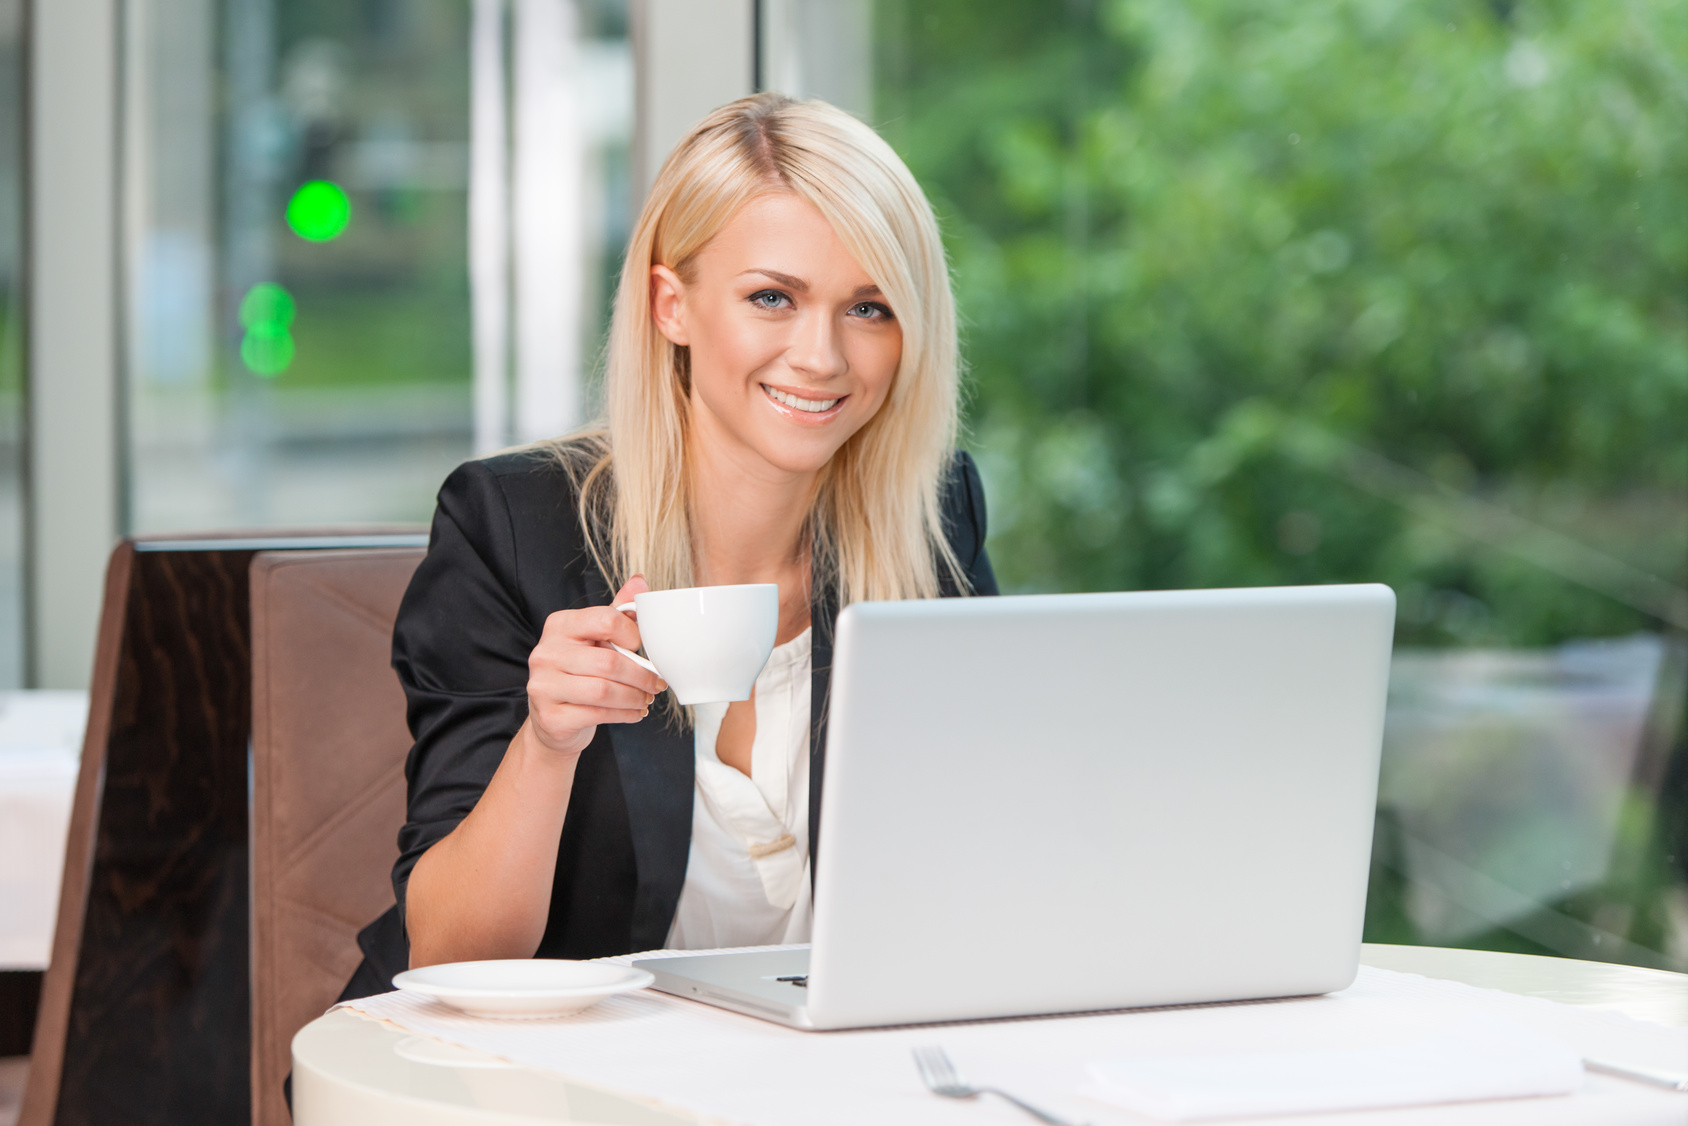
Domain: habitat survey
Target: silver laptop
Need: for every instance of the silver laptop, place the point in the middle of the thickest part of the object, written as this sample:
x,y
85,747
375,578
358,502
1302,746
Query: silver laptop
x,y
1066,803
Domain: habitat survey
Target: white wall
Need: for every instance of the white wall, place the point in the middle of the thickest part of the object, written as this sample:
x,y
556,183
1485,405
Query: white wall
x,y
820,49
689,56
73,428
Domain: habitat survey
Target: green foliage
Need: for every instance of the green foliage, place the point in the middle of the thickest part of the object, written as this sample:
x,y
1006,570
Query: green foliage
x,y
1294,291
1263,291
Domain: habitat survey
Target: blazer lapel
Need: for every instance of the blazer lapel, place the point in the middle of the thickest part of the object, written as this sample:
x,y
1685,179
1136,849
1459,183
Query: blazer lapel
x,y
656,766
657,771
823,615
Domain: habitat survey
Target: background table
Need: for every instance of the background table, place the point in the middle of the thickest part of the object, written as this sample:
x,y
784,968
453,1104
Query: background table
x,y
370,1074
40,750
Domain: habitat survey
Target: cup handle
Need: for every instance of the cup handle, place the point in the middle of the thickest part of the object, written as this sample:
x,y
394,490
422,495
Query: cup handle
x,y
629,608
635,658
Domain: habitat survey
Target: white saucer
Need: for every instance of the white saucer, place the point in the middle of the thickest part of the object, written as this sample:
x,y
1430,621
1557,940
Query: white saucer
x,y
522,987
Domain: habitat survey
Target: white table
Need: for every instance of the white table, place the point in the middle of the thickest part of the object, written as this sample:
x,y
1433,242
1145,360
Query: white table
x,y
357,1071
40,753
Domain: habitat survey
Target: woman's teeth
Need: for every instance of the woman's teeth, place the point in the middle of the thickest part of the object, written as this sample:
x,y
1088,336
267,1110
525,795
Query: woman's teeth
x,y
812,406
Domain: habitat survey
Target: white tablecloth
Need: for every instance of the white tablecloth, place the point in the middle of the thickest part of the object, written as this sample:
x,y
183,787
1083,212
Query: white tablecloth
x,y
40,749
699,1060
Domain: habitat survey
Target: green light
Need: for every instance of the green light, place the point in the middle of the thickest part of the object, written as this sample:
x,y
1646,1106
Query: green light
x,y
266,312
267,304
319,210
267,350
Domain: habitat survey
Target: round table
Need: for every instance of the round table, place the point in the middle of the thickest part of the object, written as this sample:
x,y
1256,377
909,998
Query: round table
x,y
351,1071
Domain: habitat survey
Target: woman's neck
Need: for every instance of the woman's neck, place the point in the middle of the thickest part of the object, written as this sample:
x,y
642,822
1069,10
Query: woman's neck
x,y
750,525
749,519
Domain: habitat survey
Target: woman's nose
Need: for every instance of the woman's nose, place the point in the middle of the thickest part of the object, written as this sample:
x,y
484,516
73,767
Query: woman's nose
x,y
817,348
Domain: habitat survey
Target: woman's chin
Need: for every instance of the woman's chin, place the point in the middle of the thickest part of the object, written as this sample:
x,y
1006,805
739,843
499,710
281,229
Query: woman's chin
x,y
800,453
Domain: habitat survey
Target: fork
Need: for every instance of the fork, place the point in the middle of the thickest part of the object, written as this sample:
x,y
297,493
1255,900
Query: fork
x,y
940,1077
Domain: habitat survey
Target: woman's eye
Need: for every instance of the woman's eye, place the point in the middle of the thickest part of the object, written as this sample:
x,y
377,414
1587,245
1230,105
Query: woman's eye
x,y
768,299
870,310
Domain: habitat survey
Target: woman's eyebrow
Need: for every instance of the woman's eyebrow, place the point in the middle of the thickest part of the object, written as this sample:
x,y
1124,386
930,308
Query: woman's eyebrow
x,y
798,284
801,286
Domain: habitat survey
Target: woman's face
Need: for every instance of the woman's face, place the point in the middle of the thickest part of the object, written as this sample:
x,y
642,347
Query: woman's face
x,y
793,347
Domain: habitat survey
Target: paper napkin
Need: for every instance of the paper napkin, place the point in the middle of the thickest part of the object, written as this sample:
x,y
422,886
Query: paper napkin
x,y
1480,1058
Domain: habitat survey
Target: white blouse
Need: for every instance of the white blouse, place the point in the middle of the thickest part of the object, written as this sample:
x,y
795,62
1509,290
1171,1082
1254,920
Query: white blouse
x,y
747,876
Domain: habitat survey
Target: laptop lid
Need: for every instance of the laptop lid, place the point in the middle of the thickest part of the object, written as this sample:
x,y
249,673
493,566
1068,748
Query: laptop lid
x,y
1058,803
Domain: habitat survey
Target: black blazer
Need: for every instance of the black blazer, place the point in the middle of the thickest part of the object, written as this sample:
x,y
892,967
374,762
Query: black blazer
x,y
506,551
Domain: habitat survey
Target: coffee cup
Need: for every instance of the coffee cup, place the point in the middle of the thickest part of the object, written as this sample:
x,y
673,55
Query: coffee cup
x,y
708,642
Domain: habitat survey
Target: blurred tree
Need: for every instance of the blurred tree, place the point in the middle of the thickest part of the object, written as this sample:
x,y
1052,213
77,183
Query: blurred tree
x,y
1296,291
1263,291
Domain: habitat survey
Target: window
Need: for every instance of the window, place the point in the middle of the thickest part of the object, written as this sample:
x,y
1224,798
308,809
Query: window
x,y
1290,293
316,329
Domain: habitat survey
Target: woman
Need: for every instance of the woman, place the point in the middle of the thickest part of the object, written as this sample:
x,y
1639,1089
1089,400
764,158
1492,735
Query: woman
x,y
782,398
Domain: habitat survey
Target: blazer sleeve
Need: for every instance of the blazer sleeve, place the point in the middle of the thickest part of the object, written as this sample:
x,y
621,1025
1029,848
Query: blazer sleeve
x,y
964,522
460,648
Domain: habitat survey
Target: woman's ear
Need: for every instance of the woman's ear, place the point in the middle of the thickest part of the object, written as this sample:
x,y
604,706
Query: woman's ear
x,y
668,305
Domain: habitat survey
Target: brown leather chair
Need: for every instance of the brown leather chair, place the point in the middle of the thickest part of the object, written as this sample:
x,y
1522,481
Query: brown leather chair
x,y
145,1011
328,797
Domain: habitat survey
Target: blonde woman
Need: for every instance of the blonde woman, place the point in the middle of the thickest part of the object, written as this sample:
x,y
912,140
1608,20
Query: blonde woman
x,y
782,390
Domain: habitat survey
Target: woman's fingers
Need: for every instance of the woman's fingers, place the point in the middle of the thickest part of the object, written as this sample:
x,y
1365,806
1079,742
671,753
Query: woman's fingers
x,y
594,626
588,661
575,717
633,586
596,692
576,681
602,661
578,641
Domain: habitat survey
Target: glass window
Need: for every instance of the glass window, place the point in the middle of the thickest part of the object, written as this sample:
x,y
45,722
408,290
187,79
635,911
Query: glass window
x,y
300,330
12,470
1290,293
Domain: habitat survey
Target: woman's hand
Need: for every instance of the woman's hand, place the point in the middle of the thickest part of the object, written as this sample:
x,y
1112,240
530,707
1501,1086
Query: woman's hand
x,y
576,681
484,890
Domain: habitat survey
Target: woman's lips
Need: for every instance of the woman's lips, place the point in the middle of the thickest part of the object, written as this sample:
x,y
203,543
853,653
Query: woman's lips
x,y
802,406
808,405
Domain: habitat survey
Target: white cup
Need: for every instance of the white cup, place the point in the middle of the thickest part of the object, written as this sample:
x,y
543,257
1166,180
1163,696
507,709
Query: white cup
x,y
708,642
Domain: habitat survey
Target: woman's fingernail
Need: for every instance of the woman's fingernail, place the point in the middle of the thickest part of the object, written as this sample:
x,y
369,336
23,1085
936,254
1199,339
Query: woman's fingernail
x,y
644,713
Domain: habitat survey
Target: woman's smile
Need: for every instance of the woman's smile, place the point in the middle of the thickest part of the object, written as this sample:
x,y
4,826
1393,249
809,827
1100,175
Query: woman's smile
x,y
804,406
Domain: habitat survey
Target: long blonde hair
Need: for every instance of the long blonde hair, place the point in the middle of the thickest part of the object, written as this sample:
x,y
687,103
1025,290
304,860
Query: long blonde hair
x,y
876,525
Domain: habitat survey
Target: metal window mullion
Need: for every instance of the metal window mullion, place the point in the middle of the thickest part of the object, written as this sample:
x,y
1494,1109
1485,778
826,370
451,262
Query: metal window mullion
x,y
74,421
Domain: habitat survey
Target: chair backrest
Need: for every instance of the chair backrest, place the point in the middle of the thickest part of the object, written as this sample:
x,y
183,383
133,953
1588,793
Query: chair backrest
x,y
145,1013
328,799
